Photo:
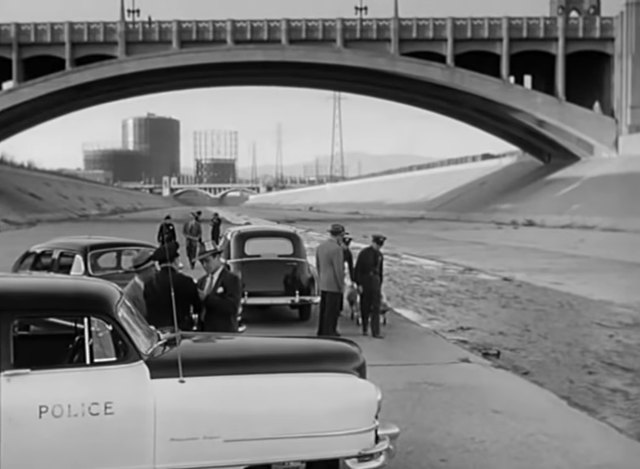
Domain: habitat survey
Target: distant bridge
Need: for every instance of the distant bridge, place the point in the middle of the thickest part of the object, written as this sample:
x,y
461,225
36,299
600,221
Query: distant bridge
x,y
217,190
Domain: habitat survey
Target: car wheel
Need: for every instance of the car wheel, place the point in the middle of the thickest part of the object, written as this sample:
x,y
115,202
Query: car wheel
x,y
304,313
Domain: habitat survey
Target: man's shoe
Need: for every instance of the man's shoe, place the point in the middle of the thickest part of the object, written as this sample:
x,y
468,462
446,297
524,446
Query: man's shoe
x,y
365,333
378,336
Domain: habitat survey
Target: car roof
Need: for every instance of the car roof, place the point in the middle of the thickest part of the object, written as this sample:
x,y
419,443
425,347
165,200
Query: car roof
x,y
89,242
36,291
264,227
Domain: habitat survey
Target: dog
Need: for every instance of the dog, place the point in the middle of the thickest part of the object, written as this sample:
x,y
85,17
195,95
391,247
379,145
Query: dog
x,y
353,300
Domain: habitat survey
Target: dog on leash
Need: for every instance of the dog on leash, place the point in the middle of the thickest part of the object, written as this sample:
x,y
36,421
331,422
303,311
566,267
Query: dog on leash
x,y
353,300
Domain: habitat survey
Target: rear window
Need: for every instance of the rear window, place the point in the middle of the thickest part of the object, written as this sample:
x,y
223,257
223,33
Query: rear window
x,y
268,246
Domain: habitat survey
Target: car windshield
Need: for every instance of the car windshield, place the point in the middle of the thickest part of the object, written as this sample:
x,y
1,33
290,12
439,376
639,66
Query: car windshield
x,y
109,261
137,327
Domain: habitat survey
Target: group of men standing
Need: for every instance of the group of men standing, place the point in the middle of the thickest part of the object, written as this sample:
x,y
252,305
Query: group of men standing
x,y
211,303
366,276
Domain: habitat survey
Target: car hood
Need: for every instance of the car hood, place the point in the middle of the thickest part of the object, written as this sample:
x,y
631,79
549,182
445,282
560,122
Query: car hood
x,y
213,354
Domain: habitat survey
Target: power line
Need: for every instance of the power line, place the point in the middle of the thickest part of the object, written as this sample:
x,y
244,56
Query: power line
x,y
337,143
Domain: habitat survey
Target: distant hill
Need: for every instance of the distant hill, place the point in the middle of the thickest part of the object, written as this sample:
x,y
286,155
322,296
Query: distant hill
x,y
355,164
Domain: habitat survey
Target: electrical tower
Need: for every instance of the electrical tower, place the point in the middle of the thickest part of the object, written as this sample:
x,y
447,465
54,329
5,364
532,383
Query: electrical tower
x,y
337,144
254,165
279,167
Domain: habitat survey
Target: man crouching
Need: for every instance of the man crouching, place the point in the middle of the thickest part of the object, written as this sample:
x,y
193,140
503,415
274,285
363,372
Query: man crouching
x,y
220,291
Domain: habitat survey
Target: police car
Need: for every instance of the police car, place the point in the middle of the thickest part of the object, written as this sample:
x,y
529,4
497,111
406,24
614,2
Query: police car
x,y
86,383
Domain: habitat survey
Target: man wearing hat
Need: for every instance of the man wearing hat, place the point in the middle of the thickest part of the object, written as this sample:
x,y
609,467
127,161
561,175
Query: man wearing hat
x,y
166,231
192,231
169,280
368,275
220,291
331,273
144,265
216,223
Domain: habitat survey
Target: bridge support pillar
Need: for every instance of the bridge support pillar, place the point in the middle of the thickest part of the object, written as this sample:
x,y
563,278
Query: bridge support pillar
x,y
505,56
561,60
450,43
629,80
68,48
16,62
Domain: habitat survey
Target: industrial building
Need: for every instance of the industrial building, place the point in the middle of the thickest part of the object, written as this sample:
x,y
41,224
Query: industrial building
x,y
122,165
215,153
158,138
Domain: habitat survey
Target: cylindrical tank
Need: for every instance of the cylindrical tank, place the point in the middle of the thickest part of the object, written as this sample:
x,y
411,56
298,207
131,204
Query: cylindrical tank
x,y
124,165
158,138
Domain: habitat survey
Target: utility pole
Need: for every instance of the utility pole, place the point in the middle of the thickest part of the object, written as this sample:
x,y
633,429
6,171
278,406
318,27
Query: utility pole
x,y
254,165
279,165
337,144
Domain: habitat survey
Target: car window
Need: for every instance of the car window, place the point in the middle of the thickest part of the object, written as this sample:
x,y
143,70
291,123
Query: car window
x,y
26,262
43,262
107,261
58,341
65,262
268,246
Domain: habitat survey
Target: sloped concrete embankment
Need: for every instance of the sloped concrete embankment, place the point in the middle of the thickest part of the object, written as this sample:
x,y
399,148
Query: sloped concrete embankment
x,y
595,194
28,197
410,191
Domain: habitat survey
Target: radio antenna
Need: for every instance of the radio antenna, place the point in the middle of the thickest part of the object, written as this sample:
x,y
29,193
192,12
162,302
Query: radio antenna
x,y
175,318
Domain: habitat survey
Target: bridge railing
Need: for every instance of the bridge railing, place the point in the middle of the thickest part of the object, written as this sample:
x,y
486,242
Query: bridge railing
x,y
307,30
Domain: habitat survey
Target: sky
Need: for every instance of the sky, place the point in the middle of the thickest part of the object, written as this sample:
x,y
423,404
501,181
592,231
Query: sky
x,y
369,125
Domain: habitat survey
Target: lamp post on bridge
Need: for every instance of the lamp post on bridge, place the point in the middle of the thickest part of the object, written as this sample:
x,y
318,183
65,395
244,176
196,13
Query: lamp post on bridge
x,y
361,10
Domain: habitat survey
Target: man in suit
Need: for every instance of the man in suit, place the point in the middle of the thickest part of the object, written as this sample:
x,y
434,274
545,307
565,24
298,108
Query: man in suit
x,y
166,231
144,265
169,285
368,275
192,231
331,273
220,291
216,224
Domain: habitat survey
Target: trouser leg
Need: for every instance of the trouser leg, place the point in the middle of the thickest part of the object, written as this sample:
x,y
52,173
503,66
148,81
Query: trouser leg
x,y
376,297
333,310
322,317
365,307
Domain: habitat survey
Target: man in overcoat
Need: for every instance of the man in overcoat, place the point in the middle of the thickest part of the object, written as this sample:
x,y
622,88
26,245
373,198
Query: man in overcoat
x,y
220,291
167,286
331,273
166,231
144,266
368,275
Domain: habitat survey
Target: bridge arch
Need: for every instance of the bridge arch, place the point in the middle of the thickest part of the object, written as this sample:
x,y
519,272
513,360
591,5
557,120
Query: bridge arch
x,y
6,72
485,62
192,191
223,195
87,59
39,66
539,124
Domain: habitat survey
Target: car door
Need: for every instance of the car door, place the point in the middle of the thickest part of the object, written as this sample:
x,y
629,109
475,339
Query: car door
x,y
71,395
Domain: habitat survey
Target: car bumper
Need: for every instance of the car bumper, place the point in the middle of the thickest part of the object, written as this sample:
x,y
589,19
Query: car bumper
x,y
380,454
281,300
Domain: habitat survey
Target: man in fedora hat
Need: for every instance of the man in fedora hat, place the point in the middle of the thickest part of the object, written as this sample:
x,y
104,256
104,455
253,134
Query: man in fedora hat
x,y
192,231
169,285
331,273
166,231
220,291
216,224
368,275
144,266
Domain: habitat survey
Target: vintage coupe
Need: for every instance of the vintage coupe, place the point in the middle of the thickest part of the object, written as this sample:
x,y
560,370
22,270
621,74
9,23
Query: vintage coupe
x,y
104,257
272,263
86,383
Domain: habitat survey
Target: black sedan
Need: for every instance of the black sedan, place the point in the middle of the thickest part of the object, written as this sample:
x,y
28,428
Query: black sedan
x,y
272,264
104,257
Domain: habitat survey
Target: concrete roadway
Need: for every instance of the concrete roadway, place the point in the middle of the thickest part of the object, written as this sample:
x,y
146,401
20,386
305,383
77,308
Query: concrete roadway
x,y
454,409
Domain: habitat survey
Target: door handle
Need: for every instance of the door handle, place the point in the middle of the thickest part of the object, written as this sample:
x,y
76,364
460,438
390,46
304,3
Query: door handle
x,y
21,371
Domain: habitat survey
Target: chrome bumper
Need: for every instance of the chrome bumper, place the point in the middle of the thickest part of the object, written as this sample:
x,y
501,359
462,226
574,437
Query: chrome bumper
x,y
379,455
280,300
